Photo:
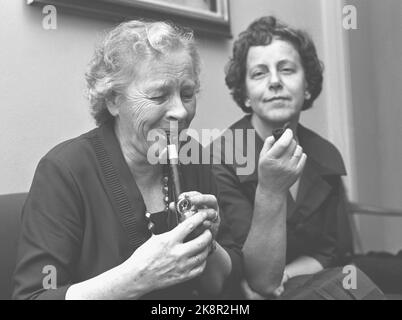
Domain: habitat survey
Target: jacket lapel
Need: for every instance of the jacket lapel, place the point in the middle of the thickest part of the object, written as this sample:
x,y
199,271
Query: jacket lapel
x,y
313,190
323,160
125,196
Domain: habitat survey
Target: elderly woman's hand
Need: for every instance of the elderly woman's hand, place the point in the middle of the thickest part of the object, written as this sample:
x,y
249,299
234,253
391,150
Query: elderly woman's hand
x,y
204,203
280,163
166,260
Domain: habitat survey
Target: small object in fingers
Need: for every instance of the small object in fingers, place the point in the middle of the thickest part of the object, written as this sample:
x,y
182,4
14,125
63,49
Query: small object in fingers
x,y
207,224
277,133
183,205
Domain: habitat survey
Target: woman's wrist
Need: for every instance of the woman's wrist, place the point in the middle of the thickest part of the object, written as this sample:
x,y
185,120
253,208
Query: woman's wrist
x,y
276,202
115,284
134,281
127,282
270,194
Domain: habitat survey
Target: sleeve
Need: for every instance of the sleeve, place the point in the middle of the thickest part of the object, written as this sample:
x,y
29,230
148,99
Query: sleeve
x,y
226,240
325,253
344,235
51,233
237,209
336,239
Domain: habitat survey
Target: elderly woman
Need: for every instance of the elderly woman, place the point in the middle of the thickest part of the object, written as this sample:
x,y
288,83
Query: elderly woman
x,y
87,228
294,201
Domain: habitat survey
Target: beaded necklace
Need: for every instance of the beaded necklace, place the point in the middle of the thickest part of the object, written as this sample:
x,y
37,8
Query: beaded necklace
x,y
165,191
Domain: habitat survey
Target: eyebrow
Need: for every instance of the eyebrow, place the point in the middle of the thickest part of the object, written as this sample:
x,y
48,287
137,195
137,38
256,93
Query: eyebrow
x,y
163,85
260,65
280,63
158,85
285,61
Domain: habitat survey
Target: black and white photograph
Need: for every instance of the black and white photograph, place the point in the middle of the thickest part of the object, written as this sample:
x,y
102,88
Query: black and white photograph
x,y
199,155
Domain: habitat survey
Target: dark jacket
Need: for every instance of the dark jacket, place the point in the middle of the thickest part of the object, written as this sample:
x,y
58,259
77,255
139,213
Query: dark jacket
x,y
317,222
85,215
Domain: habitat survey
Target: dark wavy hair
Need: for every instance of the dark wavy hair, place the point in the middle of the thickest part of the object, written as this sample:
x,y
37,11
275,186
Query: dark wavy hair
x,y
261,33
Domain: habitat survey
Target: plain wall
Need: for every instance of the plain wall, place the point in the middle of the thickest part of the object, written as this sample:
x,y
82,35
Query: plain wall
x,y
42,92
215,53
41,87
376,71
42,79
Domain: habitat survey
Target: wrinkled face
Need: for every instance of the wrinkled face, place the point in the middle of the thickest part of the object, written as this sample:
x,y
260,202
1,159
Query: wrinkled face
x,y
275,81
164,91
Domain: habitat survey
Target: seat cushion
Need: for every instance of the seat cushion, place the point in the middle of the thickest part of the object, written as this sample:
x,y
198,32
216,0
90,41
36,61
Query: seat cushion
x,y
10,212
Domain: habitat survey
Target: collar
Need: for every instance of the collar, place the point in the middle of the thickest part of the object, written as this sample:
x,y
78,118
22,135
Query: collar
x,y
124,194
325,155
116,156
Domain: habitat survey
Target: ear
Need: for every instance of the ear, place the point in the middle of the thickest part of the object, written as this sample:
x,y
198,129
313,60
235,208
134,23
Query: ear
x,y
307,94
247,103
112,105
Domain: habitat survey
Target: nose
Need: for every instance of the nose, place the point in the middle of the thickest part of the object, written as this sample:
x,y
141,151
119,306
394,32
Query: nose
x,y
177,110
275,82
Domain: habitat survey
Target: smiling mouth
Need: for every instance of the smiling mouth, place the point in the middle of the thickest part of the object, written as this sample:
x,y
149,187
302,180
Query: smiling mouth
x,y
276,99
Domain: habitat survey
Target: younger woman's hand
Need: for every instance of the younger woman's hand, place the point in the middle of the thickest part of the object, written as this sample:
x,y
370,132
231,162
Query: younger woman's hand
x,y
280,163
